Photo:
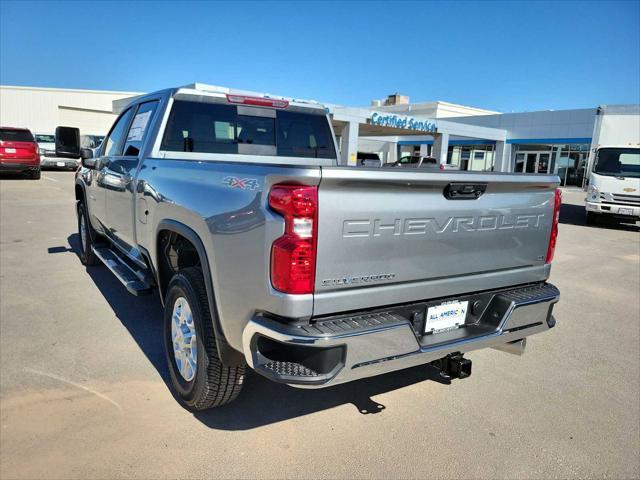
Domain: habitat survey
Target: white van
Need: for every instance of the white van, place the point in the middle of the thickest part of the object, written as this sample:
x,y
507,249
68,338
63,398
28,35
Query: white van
x,y
614,183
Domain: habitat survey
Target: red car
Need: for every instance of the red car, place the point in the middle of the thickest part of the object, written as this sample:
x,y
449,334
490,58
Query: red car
x,y
19,152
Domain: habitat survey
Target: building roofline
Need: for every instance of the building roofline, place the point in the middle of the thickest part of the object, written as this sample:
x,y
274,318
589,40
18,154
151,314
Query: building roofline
x,y
82,90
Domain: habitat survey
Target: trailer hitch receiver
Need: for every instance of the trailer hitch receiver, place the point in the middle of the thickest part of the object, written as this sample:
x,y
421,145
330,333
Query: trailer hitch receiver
x,y
453,365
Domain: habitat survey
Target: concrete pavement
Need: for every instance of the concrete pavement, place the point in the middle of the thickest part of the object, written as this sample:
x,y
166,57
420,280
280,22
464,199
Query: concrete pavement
x,y
83,384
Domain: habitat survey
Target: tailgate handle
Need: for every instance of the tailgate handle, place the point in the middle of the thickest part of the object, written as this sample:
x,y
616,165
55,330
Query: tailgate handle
x,y
464,191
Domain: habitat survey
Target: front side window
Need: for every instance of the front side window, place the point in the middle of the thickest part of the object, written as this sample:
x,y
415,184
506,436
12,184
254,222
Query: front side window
x,y
218,128
45,138
113,146
618,162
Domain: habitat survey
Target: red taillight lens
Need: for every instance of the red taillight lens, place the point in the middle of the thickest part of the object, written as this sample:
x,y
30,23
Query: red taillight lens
x,y
293,255
557,202
258,101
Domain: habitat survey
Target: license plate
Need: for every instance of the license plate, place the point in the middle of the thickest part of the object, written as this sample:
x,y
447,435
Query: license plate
x,y
445,317
10,150
60,164
625,211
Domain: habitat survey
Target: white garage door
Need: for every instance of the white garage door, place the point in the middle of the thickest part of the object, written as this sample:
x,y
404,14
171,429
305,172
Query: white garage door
x,y
90,122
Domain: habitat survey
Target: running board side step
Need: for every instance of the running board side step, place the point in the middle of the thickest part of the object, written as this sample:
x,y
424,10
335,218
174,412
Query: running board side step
x,y
133,280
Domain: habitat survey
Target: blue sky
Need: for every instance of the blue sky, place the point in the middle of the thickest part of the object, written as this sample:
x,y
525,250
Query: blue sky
x,y
507,56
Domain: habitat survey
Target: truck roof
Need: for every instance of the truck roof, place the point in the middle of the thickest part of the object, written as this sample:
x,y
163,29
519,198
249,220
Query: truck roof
x,y
628,145
200,89
203,88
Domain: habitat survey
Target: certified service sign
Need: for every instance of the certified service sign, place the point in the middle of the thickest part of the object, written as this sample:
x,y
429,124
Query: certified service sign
x,y
409,123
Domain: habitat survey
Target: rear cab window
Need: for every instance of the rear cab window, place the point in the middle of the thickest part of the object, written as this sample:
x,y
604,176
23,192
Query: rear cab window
x,y
10,135
223,128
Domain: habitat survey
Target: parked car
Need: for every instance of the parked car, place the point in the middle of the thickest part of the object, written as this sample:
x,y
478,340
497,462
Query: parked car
x,y
19,152
48,158
450,166
366,159
267,254
416,161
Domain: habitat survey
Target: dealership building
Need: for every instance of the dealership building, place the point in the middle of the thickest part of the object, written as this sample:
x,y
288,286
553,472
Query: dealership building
x,y
466,138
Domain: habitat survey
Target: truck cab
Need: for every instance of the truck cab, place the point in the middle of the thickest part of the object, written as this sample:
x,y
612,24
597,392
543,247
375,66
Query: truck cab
x,y
614,184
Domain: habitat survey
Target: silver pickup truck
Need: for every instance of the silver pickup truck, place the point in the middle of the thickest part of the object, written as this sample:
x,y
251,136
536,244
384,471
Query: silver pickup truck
x,y
266,253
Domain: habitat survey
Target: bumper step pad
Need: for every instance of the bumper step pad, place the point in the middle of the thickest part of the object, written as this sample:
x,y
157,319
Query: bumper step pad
x,y
352,324
535,294
290,369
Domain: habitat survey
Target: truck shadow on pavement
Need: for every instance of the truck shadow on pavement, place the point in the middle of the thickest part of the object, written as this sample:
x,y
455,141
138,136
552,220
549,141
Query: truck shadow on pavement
x,y
262,402
572,214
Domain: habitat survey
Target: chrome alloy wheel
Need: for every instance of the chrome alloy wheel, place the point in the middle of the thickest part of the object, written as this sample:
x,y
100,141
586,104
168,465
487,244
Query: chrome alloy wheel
x,y
183,336
83,233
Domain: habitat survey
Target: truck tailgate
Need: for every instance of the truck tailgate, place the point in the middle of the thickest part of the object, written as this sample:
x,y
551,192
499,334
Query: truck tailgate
x,y
390,236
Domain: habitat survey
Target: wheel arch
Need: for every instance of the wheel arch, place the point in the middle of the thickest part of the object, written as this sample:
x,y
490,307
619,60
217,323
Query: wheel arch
x,y
228,355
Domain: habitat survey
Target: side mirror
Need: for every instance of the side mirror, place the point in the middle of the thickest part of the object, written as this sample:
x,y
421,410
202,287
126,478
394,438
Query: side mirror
x,y
86,155
67,142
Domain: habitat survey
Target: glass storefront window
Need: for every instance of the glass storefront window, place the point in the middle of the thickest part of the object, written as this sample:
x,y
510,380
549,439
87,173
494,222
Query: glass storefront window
x,y
567,161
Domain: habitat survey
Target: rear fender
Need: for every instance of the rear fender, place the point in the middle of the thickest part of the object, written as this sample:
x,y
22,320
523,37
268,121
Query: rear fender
x,y
228,355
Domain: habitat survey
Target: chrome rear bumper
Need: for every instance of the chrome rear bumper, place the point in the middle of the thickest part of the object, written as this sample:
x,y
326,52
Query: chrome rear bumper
x,y
339,350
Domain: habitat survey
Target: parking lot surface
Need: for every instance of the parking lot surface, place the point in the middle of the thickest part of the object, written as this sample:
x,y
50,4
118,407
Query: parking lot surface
x,y
84,385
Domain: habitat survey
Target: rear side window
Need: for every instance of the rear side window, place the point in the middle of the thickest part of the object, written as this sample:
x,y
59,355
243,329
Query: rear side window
x,y
218,128
7,135
138,129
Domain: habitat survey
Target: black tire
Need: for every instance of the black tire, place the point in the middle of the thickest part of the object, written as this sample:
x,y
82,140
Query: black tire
x,y
592,218
35,174
213,383
87,257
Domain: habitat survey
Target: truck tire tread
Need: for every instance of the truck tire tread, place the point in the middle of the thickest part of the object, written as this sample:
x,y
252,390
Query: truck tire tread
x,y
87,257
221,384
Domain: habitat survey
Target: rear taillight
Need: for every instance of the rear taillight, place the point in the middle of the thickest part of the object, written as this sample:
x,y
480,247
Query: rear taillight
x,y
258,101
293,255
557,201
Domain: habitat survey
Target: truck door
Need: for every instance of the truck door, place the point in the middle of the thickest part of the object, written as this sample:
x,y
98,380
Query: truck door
x,y
96,189
119,174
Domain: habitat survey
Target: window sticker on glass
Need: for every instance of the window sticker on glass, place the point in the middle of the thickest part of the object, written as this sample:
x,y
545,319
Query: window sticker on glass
x,y
139,125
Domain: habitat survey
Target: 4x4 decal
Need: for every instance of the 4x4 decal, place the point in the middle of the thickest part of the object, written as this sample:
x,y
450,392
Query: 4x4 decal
x,y
241,183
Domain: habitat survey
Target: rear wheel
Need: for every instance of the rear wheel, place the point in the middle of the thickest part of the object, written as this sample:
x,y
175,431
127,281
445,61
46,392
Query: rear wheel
x,y
198,376
87,234
35,174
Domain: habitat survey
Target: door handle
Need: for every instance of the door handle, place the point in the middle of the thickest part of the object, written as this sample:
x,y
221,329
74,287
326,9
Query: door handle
x,y
464,191
115,181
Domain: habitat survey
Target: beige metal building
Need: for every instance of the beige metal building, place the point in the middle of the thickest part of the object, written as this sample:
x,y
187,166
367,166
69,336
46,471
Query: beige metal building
x,y
41,110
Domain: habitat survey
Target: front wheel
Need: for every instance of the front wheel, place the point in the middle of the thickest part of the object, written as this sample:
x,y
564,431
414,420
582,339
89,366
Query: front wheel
x,y
592,218
87,257
198,376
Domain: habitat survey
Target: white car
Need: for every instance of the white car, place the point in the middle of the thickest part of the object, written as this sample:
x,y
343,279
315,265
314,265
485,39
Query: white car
x,y
47,150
